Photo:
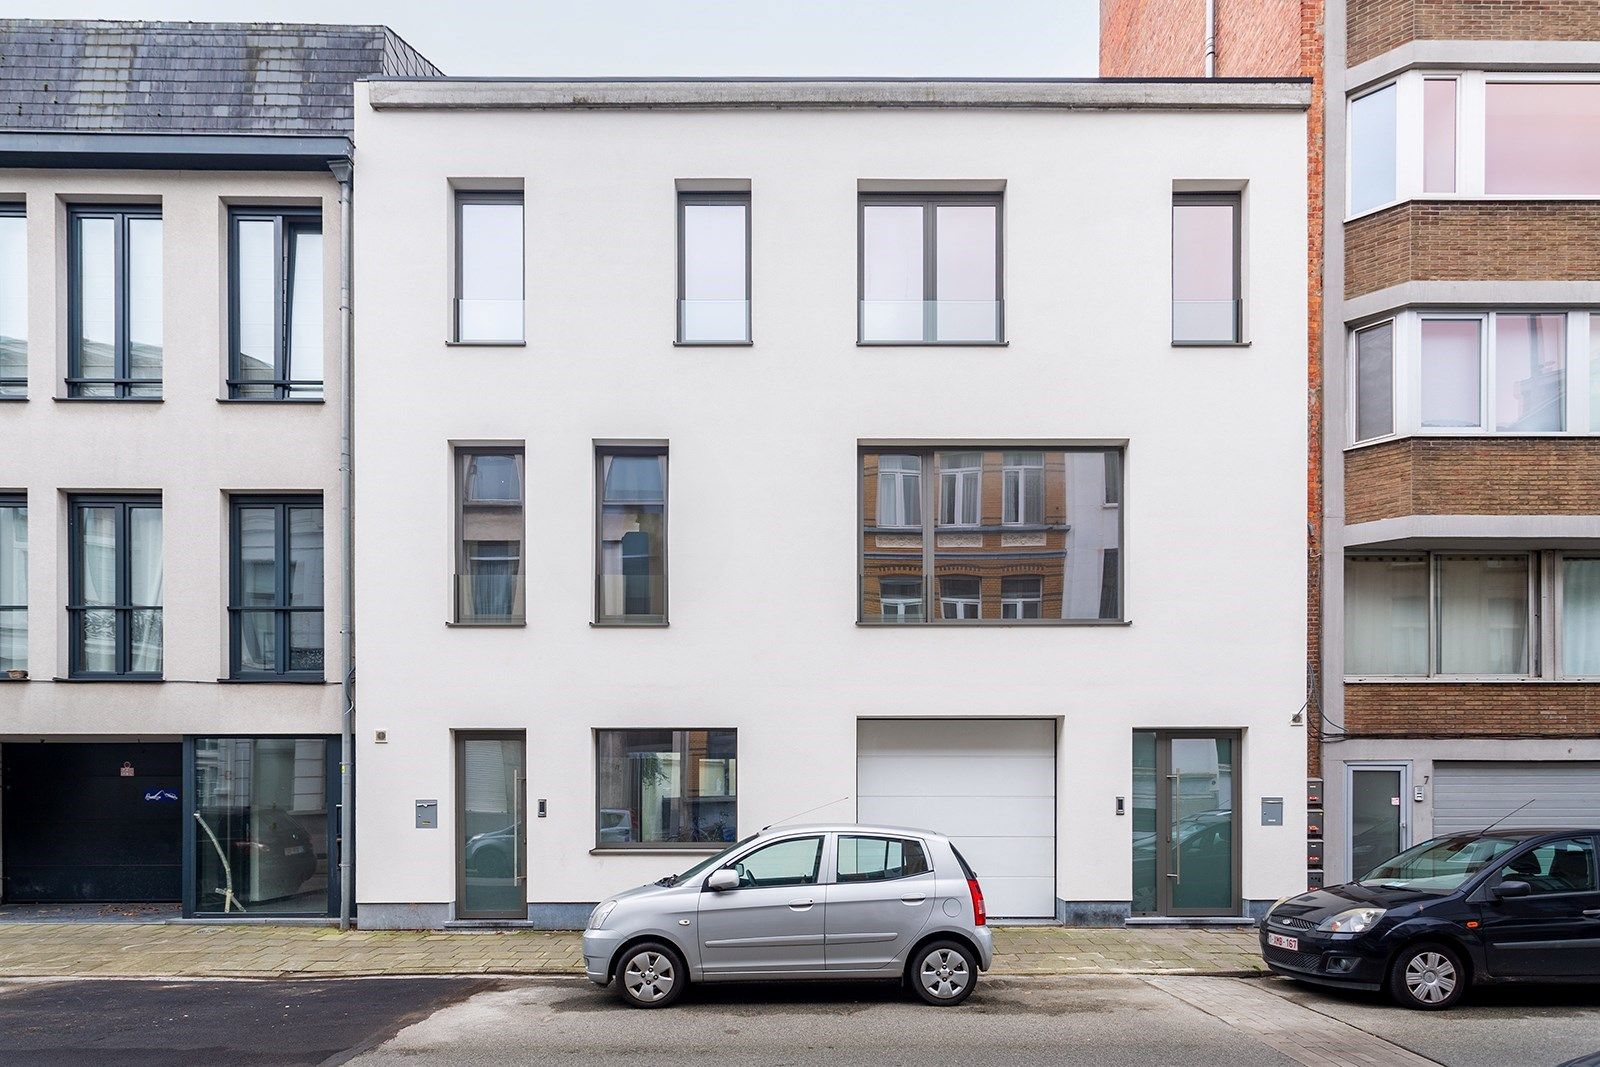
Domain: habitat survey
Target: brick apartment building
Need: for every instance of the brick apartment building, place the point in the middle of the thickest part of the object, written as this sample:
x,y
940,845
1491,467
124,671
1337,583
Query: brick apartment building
x,y
1453,673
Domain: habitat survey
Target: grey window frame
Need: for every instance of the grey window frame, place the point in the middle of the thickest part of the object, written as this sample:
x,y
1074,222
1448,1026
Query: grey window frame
x,y
120,381
485,196
930,202
14,210
281,609
124,606
687,198
19,500
1234,200
603,449
287,222
652,846
458,482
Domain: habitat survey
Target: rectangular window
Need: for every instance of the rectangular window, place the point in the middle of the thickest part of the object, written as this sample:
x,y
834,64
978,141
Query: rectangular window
x,y
1541,138
115,586
275,608
1374,381
13,301
1386,615
1580,617
1439,135
1452,373
1008,535
1206,271
13,583
1530,372
489,535
1483,612
276,305
713,268
1372,150
666,788
115,302
1480,623
930,269
631,586
489,268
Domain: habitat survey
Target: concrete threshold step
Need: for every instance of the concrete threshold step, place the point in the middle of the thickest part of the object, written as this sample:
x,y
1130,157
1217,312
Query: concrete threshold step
x,y
1189,921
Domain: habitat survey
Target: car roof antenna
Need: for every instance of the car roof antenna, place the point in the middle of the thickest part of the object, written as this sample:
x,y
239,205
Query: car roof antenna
x,y
808,811
1503,818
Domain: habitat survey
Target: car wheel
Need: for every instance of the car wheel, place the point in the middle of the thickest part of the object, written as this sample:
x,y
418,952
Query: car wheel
x,y
943,973
651,975
1428,977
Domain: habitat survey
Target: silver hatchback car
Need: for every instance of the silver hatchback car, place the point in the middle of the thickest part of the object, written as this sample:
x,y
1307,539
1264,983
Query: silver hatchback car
x,y
837,901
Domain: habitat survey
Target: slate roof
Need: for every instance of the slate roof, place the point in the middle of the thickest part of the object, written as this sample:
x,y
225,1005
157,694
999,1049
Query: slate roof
x,y
191,77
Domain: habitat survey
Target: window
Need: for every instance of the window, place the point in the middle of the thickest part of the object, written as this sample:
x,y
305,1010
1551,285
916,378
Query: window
x,y
489,581
115,302
666,787
1372,149
796,861
114,599
1481,621
13,583
1439,135
713,268
489,268
1386,615
1007,534
1452,373
275,609
13,301
1483,611
1374,381
1580,617
1206,268
276,305
631,586
930,269
1529,372
880,859
1565,866
1541,138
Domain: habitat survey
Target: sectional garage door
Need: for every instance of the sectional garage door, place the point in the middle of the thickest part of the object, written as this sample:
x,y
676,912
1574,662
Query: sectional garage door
x,y
990,785
1470,796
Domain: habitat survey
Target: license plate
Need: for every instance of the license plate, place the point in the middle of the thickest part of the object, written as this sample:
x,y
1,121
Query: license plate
x,y
294,850
1280,941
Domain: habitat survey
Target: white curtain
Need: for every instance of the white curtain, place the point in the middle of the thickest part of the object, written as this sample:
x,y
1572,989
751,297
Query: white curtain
x,y
1580,617
1386,616
1483,615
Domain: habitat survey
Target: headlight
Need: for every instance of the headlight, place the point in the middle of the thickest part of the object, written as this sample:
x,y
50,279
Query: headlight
x,y
1354,921
598,917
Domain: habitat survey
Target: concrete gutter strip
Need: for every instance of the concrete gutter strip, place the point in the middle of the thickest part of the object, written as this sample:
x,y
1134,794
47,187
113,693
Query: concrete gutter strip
x,y
430,94
1475,55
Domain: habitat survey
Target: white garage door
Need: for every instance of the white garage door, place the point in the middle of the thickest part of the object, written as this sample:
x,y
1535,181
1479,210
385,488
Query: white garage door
x,y
989,785
1470,796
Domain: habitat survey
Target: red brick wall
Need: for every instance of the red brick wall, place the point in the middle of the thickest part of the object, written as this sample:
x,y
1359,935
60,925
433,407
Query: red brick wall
x,y
1376,26
1473,476
1468,709
1167,38
1490,240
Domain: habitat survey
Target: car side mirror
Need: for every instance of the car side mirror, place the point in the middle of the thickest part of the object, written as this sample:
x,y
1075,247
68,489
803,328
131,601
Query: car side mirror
x,y
721,880
1511,889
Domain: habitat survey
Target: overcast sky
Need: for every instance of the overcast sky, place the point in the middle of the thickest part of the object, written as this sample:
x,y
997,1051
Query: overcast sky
x,y
898,38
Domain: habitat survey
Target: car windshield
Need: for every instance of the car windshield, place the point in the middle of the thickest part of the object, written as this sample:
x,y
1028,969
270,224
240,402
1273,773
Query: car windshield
x,y
1441,865
705,864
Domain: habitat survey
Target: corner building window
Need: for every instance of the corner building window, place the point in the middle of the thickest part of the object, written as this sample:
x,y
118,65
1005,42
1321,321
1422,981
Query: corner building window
x,y
666,787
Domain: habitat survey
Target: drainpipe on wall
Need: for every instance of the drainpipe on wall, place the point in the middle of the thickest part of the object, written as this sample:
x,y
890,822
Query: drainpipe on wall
x,y
342,172
1211,38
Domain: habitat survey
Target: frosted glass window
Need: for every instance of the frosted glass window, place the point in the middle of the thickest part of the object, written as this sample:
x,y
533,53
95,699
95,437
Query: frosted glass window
x,y
1372,150
1374,381
489,267
1439,135
966,253
1452,373
1483,615
714,288
1530,373
1205,268
1542,138
1386,615
930,270
1580,617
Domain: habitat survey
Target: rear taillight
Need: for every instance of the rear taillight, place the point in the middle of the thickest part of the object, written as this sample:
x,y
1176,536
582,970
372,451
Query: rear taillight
x,y
980,914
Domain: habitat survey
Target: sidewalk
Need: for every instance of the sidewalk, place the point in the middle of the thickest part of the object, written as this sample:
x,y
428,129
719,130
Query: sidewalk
x,y
156,950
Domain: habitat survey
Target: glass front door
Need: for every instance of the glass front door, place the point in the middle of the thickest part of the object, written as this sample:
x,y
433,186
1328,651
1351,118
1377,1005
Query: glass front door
x,y
1185,823
1377,817
491,843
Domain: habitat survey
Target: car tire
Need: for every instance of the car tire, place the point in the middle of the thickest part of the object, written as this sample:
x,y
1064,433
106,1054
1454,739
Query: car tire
x,y
651,974
1428,977
942,973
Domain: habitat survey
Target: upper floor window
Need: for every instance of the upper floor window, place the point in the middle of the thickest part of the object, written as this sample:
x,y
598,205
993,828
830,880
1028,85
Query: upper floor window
x,y
114,302
713,268
1541,138
1372,150
930,269
115,586
489,268
276,582
489,535
631,528
1450,372
13,301
276,305
1004,535
13,583
1206,272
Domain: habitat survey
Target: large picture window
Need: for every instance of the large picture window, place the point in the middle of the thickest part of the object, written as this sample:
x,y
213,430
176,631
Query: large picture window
x,y
275,302
1007,535
114,309
490,524
666,788
13,301
115,587
930,269
13,583
1442,614
631,586
275,610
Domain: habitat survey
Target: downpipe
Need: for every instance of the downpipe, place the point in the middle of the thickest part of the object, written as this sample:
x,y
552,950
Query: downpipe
x,y
343,173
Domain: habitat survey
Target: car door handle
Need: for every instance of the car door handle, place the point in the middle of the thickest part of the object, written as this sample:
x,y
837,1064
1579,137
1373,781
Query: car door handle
x,y
912,900
800,905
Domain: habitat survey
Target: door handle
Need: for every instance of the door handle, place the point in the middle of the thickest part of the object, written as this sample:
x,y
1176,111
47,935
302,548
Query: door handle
x,y
517,877
800,905
912,900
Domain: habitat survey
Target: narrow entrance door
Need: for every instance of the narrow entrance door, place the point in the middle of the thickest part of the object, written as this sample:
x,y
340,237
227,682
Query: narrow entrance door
x,y
491,843
1186,823
1377,817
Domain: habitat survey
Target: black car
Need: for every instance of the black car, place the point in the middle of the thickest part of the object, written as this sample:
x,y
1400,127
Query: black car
x,y
1497,906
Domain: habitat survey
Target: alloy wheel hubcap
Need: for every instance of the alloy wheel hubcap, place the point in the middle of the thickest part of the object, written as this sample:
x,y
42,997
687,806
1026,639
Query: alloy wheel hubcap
x,y
1430,977
649,976
944,973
